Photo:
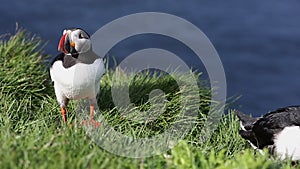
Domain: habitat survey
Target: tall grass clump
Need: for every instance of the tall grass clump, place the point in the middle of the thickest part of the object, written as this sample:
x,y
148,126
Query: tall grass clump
x,y
156,118
24,81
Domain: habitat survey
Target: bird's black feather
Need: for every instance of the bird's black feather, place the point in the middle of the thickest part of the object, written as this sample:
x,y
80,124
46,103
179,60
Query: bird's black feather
x,y
57,58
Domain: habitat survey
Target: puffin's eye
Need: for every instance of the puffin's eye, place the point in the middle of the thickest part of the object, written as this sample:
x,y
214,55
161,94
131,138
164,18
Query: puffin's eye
x,y
82,35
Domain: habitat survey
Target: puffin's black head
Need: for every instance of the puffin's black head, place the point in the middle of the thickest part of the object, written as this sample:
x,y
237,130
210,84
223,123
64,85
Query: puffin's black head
x,y
74,41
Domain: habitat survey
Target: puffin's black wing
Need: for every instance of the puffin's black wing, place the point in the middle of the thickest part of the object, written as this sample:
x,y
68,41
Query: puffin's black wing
x,y
272,123
58,57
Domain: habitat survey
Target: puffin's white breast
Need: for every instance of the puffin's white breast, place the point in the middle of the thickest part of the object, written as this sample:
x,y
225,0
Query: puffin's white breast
x,y
79,81
287,143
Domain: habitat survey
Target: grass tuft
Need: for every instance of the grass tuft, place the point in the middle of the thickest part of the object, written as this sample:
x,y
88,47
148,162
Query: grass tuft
x,y
23,75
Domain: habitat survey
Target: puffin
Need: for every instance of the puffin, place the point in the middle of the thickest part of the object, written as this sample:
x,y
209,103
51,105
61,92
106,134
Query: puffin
x,y
277,131
76,72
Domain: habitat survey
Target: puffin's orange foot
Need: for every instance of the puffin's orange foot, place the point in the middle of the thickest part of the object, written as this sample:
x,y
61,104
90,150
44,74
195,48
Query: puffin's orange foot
x,y
91,122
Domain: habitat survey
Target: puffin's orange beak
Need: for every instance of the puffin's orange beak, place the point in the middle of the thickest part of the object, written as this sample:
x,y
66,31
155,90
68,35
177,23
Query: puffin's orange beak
x,y
73,44
62,43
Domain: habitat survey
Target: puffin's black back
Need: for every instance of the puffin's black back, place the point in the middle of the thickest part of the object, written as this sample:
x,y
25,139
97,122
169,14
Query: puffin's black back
x,y
283,117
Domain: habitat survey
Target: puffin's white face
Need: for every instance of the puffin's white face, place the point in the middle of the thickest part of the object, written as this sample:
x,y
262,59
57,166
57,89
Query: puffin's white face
x,y
80,40
74,41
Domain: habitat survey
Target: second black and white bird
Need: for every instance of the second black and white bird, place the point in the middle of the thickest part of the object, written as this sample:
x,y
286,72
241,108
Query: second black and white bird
x,y
278,131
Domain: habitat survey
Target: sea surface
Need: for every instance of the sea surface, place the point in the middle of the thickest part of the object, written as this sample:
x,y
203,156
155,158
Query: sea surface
x,y
258,41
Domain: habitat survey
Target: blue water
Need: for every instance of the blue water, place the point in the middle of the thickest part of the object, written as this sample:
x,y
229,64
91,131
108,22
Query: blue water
x,y
258,41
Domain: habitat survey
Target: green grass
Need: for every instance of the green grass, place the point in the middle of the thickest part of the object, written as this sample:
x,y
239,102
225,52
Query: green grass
x,y
32,134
